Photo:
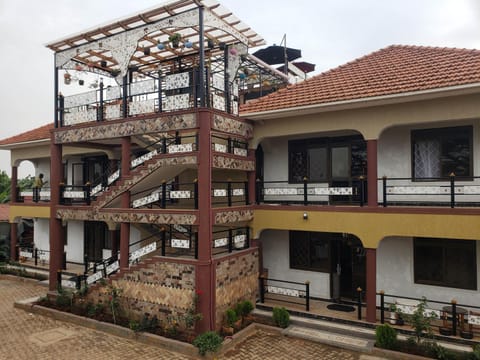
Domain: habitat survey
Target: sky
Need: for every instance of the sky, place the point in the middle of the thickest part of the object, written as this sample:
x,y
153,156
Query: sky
x,y
329,33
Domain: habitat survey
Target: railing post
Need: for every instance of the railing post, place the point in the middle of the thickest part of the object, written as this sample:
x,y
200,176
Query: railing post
x,y
85,263
305,190
307,295
258,188
247,236
229,192
62,190
88,188
61,104
100,107
36,194
163,239
64,267
362,190
230,240
384,190
35,252
262,290
454,317
452,190
382,306
245,192
59,280
164,145
229,146
159,87
78,282
359,304
196,245
163,202
195,192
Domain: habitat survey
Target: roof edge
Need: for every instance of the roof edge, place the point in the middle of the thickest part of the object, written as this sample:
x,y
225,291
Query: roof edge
x,y
362,102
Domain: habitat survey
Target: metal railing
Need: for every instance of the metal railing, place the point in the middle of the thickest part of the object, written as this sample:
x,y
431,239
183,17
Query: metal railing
x,y
229,145
290,292
227,241
452,192
230,193
446,316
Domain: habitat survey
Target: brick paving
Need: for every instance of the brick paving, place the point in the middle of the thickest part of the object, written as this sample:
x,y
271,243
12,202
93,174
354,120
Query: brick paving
x,y
25,336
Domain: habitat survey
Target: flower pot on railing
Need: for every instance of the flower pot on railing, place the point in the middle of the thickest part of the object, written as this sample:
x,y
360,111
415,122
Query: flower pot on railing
x,y
174,39
67,78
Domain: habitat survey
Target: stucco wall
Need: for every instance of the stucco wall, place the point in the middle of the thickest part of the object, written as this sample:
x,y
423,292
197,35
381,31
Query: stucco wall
x,y
75,241
41,231
395,274
276,258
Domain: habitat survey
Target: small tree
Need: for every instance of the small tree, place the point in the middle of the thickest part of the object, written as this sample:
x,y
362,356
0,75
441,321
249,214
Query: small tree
x,y
385,336
421,321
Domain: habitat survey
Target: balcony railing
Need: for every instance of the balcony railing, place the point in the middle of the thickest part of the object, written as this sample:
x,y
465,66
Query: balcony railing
x,y
226,241
165,93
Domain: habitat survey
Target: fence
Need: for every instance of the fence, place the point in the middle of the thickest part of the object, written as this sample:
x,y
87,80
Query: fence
x,y
283,291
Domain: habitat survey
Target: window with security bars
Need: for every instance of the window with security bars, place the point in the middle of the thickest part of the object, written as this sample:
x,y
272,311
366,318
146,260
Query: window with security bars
x,y
309,251
437,153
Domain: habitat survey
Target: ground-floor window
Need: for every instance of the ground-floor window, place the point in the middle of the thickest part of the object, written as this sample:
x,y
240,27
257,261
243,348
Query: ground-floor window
x,y
309,251
445,262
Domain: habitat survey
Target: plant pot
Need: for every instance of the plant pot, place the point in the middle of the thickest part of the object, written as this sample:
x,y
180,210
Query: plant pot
x,y
175,44
445,331
81,82
238,324
210,43
466,335
228,330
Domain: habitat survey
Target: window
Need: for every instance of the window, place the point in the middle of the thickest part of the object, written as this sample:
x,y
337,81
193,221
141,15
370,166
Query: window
x,y
436,153
309,251
326,159
445,262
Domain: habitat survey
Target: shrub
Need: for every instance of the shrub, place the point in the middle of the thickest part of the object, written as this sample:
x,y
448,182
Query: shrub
x,y
64,299
385,336
281,317
208,341
244,308
231,317
421,321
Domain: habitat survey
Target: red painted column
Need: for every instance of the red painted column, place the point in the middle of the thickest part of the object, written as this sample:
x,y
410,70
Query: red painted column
x,y
13,242
205,276
13,185
371,291
56,229
125,204
251,179
372,173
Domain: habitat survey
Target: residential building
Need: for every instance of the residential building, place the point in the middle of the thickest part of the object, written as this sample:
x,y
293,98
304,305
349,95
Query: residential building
x,y
364,176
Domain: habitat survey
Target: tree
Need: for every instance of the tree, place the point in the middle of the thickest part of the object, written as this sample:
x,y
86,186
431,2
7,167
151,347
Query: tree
x,y
4,187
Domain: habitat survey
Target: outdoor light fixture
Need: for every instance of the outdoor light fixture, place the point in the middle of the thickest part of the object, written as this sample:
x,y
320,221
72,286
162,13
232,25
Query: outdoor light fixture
x,y
305,216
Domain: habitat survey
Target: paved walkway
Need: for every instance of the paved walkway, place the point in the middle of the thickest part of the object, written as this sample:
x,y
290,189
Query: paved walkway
x,y
25,336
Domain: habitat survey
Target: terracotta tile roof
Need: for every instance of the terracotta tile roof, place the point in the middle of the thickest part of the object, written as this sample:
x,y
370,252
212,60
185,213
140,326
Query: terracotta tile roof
x,y
4,209
392,70
40,133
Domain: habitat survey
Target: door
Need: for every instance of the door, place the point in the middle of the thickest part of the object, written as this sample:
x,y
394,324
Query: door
x,y
96,239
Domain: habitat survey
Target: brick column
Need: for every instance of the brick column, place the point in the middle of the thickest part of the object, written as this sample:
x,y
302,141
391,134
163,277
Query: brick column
x,y
13,242
56,229
372,176
13,185
205,276
371,291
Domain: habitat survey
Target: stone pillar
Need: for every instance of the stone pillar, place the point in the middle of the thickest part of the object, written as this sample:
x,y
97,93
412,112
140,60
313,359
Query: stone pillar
x,y
13,185
372,166
205,276
371,291
56,229
13,242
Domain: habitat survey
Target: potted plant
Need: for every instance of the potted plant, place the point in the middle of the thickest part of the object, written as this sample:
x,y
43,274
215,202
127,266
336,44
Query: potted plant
x,y
67,78
175,39
230,320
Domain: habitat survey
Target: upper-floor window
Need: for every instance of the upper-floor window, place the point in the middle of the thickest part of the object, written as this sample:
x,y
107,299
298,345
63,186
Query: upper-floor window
x,y
436,153
445,262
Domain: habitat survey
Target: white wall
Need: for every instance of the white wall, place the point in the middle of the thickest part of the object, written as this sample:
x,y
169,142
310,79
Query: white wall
x,y
395,274
276,258
41,234
43,167
75,241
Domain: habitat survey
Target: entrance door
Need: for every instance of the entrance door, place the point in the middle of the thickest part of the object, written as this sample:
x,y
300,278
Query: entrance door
x,y
96,236
348,257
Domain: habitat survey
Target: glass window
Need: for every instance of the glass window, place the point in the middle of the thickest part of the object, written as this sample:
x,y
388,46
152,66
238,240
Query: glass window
x,y
436,153
445,262
309,251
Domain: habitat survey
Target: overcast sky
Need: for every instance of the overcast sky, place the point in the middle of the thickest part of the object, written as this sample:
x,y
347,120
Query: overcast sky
x,y
329,33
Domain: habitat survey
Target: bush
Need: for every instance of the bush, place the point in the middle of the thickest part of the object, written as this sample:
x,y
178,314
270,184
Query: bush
x,y
231,317
244,308
281,317
208,341
385,336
